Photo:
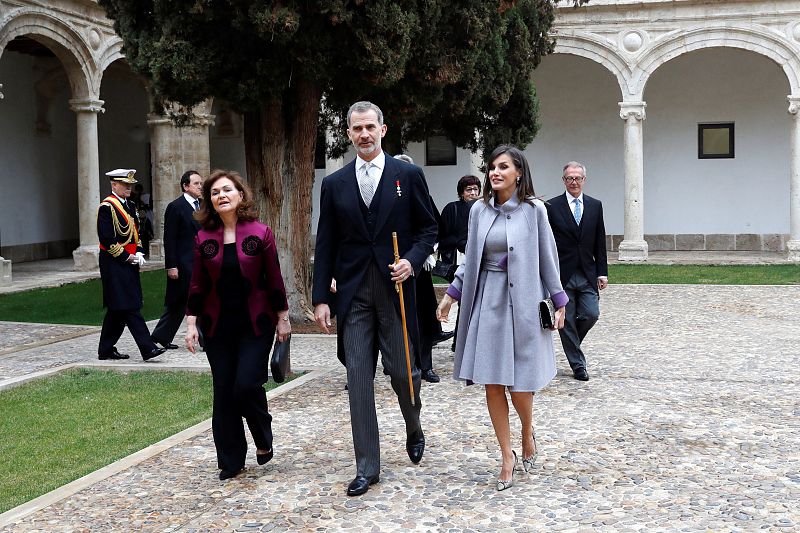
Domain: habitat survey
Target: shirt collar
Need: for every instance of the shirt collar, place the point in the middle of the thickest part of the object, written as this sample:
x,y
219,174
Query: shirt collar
x,y
570,198
379,161
189,198
121,199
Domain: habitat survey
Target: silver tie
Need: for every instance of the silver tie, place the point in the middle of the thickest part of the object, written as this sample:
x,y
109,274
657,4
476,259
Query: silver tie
x,y
366,184
577,211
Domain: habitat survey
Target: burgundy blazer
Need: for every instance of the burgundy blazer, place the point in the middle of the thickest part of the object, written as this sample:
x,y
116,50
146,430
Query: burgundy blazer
x,y
258,261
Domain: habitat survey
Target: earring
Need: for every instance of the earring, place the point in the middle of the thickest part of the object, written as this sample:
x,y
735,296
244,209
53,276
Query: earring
x,y
517,180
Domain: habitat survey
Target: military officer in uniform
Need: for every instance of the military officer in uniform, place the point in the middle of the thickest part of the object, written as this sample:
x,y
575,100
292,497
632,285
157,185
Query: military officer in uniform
x,y
121,255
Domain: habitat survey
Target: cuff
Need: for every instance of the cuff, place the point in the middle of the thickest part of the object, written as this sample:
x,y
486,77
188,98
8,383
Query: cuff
x,y
560,299
454,293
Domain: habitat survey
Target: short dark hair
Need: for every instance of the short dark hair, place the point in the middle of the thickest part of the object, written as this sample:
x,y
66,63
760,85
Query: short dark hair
x,y
467,181
208,217
187,178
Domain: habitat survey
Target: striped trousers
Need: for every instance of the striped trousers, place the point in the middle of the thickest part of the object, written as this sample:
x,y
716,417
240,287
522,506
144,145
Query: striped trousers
x,y
373,321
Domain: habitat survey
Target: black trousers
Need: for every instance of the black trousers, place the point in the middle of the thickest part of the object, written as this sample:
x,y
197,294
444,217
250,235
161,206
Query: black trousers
x,y
114,324
239,369
429,325
170,321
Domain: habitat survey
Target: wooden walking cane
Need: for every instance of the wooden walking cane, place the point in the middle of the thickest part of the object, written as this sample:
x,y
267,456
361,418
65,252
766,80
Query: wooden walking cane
x,y
398,286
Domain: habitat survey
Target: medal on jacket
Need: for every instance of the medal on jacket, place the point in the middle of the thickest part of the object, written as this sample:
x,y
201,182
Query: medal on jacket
x,y
397,184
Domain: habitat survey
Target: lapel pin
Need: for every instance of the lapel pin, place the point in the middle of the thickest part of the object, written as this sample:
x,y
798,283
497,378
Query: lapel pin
x,y
397,184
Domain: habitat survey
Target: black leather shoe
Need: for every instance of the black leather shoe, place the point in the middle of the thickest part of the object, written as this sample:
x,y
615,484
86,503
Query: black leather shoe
x,y
113,355
264,458
155,352
227,474
360,485
430,376
443,336
415,446
169,346
581,374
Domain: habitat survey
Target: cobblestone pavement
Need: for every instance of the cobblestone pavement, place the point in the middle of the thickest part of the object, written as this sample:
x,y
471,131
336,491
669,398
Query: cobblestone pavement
x,y
690,422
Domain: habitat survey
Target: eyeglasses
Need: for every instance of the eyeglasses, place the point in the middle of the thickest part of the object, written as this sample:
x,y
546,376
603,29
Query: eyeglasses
x,y
474,188
575,179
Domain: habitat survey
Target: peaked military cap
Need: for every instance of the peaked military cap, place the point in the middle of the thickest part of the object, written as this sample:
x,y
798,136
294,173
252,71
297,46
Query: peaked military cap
x,y
123,175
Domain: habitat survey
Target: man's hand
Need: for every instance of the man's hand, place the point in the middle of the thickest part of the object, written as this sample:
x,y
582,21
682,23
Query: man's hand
x,y
602,282
401,270
172,273
322,316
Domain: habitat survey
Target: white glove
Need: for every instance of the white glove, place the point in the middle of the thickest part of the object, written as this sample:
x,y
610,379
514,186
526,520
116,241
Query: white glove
x,y
140,258
429,263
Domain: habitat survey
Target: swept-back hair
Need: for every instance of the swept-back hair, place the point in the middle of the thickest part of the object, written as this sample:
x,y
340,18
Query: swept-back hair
x,y
208,217
525,191
363,107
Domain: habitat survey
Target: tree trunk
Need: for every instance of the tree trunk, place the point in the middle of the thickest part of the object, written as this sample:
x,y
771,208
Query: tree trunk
x,y
279,147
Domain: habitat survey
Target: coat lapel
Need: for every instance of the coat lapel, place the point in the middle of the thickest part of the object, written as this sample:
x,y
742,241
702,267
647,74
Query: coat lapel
x,y
352,196
388,191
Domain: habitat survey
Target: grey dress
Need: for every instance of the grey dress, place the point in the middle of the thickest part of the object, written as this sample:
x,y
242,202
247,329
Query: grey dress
x,y
500,340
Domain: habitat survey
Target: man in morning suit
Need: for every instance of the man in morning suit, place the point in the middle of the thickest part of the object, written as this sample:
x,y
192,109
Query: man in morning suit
x,y
360,206
577,223
121,255
180,227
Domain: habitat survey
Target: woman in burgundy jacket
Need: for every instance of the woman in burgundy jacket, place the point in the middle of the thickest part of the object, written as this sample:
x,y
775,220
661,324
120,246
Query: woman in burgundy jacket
x,y
238,299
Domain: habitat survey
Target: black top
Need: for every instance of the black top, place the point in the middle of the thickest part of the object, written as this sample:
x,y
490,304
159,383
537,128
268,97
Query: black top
x,y
232,291
453,229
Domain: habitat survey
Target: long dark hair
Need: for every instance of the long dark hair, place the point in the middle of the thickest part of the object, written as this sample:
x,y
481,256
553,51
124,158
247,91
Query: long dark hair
x,y
208,217
525,191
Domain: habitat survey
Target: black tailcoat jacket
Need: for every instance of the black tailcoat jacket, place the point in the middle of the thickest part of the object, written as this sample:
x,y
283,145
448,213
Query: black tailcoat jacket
x,y
345,247
579,246
180,228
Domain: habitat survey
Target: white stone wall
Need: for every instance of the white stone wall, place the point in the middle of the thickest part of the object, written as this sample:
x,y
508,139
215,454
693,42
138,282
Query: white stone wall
x,y
39,202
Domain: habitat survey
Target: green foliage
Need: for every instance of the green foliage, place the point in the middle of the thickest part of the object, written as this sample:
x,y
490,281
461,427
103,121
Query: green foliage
x,y
77,303
58,429
455,67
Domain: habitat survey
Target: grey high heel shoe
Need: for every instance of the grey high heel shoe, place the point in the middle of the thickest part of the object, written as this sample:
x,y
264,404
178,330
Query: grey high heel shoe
x,y
507,484
527,462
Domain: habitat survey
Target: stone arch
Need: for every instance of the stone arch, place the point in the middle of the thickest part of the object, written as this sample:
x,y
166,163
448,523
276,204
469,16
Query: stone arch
x,y
754,39
63,40
595,49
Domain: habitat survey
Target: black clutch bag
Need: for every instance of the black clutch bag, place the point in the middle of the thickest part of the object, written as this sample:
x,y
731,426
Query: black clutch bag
x,y
444,270
279,362
547,313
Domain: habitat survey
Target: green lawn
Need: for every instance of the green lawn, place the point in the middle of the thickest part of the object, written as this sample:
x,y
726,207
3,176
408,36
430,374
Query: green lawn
x,y
77,303
82,303
57,429
706,274
701,274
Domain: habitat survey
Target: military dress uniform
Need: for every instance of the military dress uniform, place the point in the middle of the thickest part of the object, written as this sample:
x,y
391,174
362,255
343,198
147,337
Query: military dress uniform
x,y
118,233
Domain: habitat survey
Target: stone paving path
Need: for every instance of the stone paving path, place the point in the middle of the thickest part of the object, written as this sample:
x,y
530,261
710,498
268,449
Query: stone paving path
x,y
690,422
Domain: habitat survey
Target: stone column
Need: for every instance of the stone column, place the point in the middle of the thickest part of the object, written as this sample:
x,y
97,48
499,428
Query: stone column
x,y
5,271
793,245
633,246
173,151
86,254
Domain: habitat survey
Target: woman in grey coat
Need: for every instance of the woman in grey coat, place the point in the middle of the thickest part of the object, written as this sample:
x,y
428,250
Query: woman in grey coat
x,y
511,264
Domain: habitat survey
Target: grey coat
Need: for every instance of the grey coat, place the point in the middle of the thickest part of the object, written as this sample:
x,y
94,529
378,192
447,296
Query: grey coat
x,y
533,274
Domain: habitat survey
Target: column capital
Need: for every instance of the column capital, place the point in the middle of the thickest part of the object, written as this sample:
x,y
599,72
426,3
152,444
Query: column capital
x,y
794,103
632,110
86,105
